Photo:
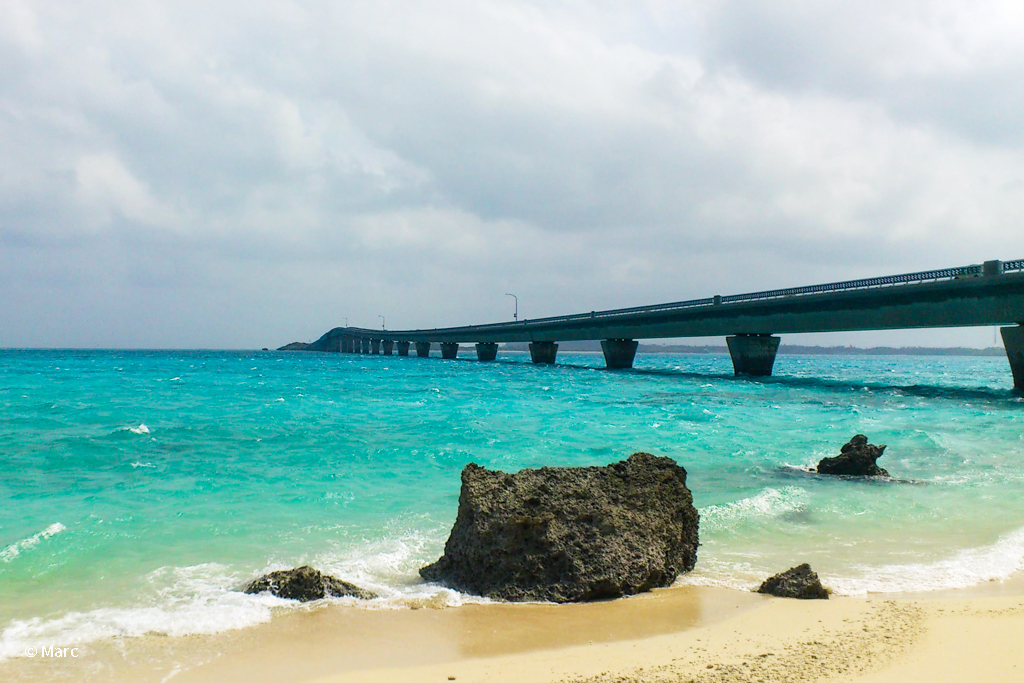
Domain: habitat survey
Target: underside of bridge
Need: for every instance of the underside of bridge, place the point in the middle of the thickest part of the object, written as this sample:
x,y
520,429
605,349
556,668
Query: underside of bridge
x,y
753,355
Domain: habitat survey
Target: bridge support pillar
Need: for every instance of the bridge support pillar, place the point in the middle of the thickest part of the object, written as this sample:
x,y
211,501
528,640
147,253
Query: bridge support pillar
x,y
364,345
619,353
486,351
403,348
423,349
1013,342
449,350
753,354
348,345
543,352
389,347
375,347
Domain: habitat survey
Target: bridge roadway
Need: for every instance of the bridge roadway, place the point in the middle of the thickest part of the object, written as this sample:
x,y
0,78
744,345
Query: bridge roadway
x,y
987,294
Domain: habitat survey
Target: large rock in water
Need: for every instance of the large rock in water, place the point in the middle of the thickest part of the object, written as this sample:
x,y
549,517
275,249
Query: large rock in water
x,y
856,458
305,584
799,582
570,534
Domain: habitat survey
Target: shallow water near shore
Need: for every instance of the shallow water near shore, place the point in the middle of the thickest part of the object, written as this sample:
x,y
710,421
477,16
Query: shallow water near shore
x,y
141,488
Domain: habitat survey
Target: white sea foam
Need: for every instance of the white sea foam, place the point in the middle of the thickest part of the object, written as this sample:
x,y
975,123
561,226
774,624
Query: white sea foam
x,y
139,463
968,567
205,599
389,566
711,572
16,548
964,569
198,599
768,503
141,429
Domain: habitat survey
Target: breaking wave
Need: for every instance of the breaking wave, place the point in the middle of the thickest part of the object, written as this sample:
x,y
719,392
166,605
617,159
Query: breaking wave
x,y
13,550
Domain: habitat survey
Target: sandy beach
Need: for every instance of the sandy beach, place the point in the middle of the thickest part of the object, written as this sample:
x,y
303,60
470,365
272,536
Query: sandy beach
x,y
679,634
942,639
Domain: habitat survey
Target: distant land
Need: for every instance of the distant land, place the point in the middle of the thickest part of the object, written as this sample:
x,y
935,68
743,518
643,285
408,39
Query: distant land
x,y
789,349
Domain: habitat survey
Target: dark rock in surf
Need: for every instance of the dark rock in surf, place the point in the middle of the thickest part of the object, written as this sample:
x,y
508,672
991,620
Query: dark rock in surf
x,y
305,584
800,582
295,346
857,458
570,534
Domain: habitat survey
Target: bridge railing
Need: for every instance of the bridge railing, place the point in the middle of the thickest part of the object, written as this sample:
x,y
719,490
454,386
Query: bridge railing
x,y
864,283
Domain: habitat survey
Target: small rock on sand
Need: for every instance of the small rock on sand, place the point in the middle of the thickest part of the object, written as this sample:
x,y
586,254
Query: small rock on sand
x,y
305,584
799,582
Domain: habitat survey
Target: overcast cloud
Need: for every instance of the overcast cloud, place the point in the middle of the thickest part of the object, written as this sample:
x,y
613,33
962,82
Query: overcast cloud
x,y
244,174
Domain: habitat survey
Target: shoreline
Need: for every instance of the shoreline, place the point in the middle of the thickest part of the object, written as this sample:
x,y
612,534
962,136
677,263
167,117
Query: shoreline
x,y
704,634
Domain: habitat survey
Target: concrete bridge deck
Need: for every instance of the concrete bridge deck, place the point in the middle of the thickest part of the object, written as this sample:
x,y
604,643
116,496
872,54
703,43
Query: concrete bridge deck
x,y
987,294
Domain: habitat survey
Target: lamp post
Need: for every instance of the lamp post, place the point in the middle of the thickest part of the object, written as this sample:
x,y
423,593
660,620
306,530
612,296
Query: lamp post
x,y
515,316
382,323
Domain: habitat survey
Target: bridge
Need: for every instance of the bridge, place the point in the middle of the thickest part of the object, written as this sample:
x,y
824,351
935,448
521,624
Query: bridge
x,y
989,294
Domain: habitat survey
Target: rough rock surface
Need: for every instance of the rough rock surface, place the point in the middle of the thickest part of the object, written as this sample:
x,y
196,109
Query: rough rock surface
x,y
799,582
305,584
570,534
856,458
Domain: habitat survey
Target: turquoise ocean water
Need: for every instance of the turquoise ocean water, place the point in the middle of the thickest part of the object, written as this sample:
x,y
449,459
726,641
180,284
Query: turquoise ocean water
x,y
139,488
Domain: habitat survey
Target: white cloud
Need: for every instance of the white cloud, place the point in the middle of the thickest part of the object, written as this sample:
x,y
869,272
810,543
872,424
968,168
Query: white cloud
x,y
586,155
104,183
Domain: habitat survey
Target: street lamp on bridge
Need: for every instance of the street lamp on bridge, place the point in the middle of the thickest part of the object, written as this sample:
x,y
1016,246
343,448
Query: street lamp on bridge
x,y
382,323
515,316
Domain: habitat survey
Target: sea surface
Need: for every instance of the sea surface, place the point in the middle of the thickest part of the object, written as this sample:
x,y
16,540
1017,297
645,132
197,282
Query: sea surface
x,y
140,489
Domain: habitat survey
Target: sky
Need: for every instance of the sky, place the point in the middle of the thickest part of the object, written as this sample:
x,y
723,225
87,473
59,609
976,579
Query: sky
x,y
246,174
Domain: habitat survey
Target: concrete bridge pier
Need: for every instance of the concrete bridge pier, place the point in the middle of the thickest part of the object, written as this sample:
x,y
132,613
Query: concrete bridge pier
x,y
375,347
543,352
449,350
753,354
389,347
486,351
619,353
346,344
364,345
1013,342
423,349
403,348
